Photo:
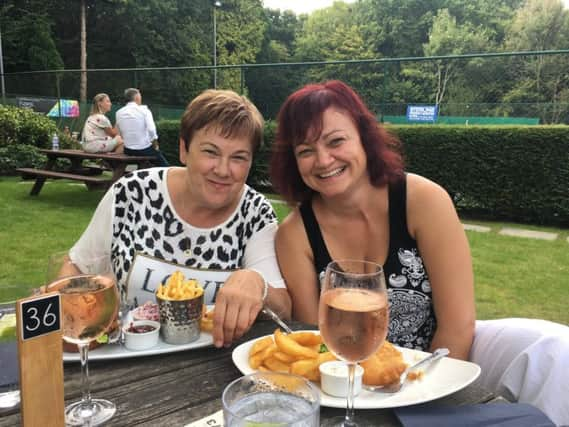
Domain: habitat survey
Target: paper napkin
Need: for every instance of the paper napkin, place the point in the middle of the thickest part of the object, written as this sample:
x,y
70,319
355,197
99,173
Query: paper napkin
x,y
481,415
213,420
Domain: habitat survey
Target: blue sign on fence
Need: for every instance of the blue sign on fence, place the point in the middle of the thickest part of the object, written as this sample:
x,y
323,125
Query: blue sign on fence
x,y
422,113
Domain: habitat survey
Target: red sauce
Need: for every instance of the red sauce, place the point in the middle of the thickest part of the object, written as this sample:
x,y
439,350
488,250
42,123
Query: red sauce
x,y
140,329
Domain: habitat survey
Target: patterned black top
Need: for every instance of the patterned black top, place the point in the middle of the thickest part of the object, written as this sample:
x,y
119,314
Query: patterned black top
x,y
412,318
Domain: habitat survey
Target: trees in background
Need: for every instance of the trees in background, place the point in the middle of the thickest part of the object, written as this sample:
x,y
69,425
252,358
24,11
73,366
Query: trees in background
x,y
539,25
269,86
447,37
39,35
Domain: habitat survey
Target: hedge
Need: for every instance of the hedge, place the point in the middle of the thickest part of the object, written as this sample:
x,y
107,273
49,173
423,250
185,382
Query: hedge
x,y
514,173
22,126
22,132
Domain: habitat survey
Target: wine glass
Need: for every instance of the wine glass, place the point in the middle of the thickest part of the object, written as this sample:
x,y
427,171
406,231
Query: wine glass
x,y
353,318
9,380
59,265
89,305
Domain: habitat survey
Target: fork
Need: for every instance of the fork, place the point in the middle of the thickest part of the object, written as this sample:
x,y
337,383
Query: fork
x,y
396,386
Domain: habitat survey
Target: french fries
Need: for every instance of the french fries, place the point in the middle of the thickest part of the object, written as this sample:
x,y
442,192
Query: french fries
x,y
296,353
206,322
177,288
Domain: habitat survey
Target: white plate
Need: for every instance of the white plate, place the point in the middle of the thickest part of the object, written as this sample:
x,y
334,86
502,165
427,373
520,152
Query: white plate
x,y
117,351
441,379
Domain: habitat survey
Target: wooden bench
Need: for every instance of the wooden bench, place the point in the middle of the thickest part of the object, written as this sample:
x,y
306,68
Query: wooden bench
x,y
92,182
116,163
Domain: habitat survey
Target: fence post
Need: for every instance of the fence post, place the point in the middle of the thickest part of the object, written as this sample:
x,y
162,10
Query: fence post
x,y
242,80
384,90
58,89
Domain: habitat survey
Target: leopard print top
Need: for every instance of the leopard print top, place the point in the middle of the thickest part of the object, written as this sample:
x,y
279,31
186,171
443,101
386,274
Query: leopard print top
x,y
145,221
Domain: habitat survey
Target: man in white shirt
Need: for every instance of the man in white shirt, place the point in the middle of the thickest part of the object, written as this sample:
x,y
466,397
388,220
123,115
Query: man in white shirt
x,y
136,126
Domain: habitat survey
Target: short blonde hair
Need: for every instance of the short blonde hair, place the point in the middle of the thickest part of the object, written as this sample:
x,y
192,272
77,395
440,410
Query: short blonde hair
x,y
95,109
233,114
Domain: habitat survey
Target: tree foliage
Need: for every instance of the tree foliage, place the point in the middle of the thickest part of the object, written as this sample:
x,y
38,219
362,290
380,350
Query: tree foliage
x,y
40,35
540,25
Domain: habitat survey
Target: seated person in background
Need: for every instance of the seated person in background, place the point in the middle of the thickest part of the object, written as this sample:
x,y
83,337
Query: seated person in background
x,y
340,170
99,135
136,126
201,219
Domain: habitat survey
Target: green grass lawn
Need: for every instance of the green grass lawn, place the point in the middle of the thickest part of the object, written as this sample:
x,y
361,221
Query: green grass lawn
x,y
515,277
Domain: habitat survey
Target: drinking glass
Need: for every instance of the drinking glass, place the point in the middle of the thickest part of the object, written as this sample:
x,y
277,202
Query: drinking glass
x,y
89,304
9,379
59,265
271,398
353,318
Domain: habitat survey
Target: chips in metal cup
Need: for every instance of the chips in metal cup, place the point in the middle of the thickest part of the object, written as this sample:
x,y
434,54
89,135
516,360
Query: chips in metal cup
x,y
180,319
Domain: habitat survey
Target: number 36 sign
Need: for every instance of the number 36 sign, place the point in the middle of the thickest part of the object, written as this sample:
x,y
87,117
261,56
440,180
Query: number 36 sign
x,y
40,316
40,360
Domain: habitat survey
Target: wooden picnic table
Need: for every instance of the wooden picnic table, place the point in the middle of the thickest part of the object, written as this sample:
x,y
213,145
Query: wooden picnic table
x,y
117,163
178,388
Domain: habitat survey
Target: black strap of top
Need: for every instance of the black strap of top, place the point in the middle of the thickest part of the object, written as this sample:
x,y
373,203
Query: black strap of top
x,y
398,211
397,224
319,250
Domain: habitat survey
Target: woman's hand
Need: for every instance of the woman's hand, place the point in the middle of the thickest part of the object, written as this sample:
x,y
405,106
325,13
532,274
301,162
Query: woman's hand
x,y
237,305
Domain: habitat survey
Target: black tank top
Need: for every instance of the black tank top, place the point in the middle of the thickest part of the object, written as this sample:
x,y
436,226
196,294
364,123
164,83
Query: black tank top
x,y
412,321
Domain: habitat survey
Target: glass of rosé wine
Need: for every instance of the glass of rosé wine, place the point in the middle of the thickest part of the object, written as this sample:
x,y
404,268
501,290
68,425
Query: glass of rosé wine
x,y
353,318
89,307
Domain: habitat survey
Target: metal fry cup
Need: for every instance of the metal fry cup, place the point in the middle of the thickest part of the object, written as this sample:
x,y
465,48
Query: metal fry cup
x,y
180,320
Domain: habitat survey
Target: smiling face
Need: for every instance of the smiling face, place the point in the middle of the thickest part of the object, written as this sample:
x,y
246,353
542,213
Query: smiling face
x,y
217,168
333,162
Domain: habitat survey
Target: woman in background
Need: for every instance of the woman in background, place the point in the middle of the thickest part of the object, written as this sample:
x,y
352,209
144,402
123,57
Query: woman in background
x,y
99,135
342,173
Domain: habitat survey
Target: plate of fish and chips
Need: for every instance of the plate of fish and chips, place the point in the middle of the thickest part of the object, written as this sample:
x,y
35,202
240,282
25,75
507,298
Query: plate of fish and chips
x,y
302,352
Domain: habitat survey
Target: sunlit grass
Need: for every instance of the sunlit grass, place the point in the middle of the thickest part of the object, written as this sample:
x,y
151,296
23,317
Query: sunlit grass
x,y
515,277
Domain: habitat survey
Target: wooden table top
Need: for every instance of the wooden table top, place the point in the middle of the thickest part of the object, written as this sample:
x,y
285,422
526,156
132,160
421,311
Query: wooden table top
x,y
178,388
125,158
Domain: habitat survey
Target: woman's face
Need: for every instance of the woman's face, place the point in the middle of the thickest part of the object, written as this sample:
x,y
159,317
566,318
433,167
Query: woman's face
x,y
105,104
217,167
334,162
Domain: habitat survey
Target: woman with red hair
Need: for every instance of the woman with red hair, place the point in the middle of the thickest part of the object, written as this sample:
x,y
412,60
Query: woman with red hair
x,y
343,174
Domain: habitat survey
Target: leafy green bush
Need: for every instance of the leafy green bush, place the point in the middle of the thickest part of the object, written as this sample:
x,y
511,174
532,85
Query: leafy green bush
x,y
23,126
259,174
168,135
19,156
518,173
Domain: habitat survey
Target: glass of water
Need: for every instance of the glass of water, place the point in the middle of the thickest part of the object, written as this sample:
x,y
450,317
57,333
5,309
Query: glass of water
x,y
278,399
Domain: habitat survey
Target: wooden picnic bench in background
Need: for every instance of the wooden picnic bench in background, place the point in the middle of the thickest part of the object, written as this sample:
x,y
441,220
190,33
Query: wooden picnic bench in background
x,y
89,174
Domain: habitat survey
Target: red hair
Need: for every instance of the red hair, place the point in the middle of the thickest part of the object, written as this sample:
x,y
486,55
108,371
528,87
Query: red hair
x,y
302,112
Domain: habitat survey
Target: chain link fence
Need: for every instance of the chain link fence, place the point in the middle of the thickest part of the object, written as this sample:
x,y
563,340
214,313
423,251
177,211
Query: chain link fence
x,y
495,88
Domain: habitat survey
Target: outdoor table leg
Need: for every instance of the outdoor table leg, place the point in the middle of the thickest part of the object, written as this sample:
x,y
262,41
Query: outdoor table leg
x,y
40,180
118,170
76,164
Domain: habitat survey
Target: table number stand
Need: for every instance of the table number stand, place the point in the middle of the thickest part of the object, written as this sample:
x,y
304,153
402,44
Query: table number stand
x,y
40,356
